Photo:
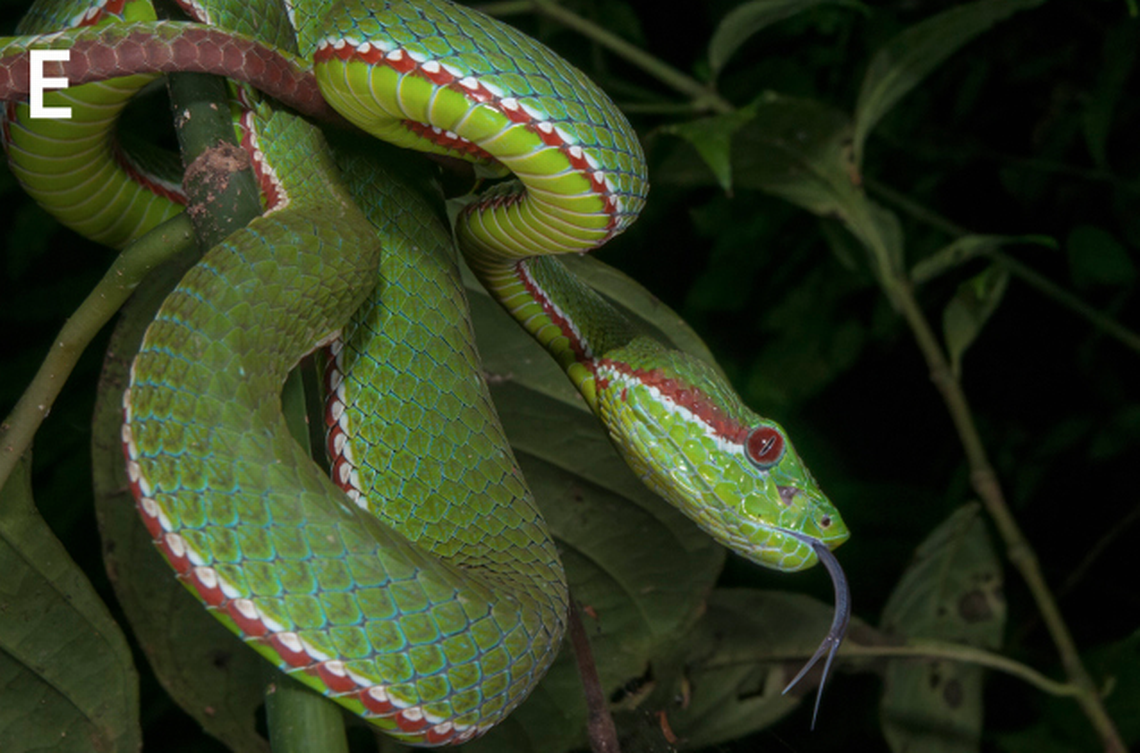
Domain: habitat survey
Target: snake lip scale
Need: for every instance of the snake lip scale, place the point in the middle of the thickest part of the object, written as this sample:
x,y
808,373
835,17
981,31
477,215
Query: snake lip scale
x,y
416,583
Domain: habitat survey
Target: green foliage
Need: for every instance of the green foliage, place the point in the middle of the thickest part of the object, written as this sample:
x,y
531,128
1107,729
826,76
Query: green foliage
x,y
952,591
747,19
911,56
63,660
966,313
946,148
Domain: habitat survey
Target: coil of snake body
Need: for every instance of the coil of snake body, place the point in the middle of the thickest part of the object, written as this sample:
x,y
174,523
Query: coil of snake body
x,y
416,584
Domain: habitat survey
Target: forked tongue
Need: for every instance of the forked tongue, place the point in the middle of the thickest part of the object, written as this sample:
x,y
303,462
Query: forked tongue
x,y
833,639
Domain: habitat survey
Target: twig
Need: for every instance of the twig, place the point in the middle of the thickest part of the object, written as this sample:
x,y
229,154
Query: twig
x,y
1026,274
986,484
299,720
600,725
1097,319
128,270
703,96
966,654
1119,528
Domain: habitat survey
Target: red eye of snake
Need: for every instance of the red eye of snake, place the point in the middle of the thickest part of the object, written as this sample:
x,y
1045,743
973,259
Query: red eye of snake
x,y
765,447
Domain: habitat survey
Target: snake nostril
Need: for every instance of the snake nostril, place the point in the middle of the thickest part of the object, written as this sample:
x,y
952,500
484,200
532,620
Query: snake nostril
x,y
787,494
825,521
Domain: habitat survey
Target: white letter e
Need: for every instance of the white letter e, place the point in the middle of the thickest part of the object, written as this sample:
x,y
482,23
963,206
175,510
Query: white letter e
x,y
38,84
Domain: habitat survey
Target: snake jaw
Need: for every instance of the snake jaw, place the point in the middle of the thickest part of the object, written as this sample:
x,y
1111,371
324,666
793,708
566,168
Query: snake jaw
x,y
831,642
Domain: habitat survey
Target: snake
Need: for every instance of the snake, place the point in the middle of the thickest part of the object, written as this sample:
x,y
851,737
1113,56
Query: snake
x,y
415,582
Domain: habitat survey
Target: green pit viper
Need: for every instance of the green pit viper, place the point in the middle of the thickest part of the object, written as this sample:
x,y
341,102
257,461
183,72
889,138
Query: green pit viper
x,y
416,583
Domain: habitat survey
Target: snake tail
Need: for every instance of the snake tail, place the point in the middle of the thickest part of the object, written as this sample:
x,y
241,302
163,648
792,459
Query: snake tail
x,y
76,167
116,50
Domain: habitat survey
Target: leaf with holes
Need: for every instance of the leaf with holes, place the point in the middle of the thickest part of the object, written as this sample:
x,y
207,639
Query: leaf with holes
x,y
951,592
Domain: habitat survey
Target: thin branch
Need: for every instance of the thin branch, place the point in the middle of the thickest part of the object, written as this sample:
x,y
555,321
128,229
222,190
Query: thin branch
x,y
931,649
968,655
703,96
1119,528
917,210
600,725
988,488
299,720
900,292
128,270
1023,272
1046,287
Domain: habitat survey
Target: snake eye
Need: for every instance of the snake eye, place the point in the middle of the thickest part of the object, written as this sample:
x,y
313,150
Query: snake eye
x,y
765,447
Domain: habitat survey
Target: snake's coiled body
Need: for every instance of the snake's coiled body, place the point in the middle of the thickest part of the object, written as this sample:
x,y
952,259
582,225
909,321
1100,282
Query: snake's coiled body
x,y
418,586
429,597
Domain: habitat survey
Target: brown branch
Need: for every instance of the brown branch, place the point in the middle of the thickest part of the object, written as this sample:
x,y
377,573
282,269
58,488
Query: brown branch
x,y
600,725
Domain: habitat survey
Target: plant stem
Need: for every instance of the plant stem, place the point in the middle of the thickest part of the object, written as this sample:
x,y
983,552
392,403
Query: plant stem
x,y
986,484
703,96
128,270
600,725
223,192
224,197
1097,319
1023,272
300,721
929,649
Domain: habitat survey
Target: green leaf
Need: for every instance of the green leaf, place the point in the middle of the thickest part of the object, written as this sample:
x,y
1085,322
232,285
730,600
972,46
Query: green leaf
x,y
968,311
741,656
908,58
1118,58
965,249
1096,257
746,19
67,681
951,592
712,138
797,149
800,151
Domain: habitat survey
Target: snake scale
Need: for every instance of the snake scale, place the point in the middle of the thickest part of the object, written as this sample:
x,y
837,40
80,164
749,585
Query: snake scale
x,y
416,584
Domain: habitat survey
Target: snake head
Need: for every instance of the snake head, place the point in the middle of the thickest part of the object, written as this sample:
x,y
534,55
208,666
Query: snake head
x,y
684,430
